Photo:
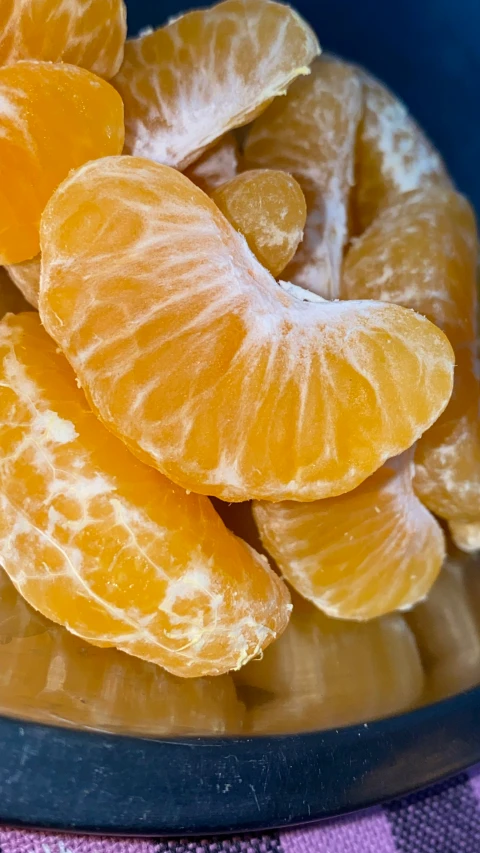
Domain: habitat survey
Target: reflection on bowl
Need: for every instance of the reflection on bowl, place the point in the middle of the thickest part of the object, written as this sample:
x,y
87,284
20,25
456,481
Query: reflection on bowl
x,y
322,673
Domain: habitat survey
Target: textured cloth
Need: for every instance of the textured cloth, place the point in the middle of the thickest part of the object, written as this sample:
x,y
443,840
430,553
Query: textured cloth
x,y
442,819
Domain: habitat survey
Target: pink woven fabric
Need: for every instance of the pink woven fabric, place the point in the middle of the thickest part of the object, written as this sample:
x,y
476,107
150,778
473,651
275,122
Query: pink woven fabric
x,y
442,819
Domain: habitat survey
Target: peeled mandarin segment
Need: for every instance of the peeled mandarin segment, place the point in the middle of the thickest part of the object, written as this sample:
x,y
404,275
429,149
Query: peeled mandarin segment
x,y
192,354
420,253
48,675
115,552
26,277
447,457
393,154
268,208
53,118
216,166
207,72
324,673
311,134
90,34
466,535
11,300
447,634
360,555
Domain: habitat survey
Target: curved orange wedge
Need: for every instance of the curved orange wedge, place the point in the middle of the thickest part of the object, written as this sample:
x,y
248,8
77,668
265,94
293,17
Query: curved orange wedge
x,y
105,545
206,72
191,353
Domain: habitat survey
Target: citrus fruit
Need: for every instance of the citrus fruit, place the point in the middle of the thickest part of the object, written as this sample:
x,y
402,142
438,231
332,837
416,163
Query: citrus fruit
x,y
421,252
362,554
91,34
50,676
447,633
206,72
190,351
393,155
53,119
26,277
447,459
10,297
325,672
311,134
217,165
465,534
115,552
268,208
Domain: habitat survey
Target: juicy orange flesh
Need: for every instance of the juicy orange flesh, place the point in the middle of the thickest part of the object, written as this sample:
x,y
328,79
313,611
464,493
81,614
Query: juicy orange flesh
x,y
362,554
421,252
310,133
90,34
268,208
55,117
190,352
326,672
48,675
206,72
117,553
217,165
393,156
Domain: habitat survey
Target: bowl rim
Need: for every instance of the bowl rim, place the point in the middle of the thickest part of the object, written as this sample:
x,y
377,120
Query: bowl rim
x,y
86,781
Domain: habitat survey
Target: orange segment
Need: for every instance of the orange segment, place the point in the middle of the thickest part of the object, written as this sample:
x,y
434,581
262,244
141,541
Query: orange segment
x,y
393,154
360,555
26,276
268,208
217,165
311,134
422,253
447,458
207,72
326,673
210,371
50,676
91,34
53,118
10,297
115,552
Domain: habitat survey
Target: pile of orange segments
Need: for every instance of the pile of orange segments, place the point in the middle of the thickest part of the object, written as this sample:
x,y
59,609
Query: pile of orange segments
x,y
229,361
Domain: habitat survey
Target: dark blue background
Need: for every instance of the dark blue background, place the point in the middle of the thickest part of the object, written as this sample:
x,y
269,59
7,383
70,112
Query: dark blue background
x,y
428,51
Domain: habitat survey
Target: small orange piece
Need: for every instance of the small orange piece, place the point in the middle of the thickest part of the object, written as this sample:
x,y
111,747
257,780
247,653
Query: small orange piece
x,y
422,253
49,676
90,33
217,165
268,208
115,552
311,134
53,118
207,72
190,351
360,555
11,300
324,673
393,154
26,276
